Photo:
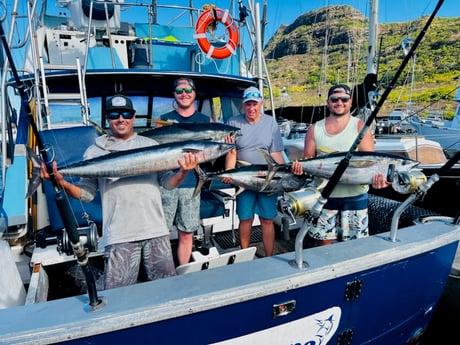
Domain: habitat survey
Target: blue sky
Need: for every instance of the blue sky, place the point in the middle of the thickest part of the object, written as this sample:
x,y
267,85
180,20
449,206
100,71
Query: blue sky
x,y
286,11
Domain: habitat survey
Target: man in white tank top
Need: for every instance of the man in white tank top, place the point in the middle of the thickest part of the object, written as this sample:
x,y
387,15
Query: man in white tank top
x,y
344,216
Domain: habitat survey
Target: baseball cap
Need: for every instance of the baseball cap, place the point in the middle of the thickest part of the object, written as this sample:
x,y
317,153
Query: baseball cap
x,y
119,102
333,89
183,81
252,94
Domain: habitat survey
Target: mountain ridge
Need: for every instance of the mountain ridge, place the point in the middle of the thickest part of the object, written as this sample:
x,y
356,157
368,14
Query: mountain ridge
x,y
329,45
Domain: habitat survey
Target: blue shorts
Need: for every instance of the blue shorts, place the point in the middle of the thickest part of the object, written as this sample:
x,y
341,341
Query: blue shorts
x,y
249,203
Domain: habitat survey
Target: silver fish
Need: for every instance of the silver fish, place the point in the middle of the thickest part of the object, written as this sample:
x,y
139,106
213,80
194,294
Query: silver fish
x,y
146,160
138,161
252,177
213,131
362,166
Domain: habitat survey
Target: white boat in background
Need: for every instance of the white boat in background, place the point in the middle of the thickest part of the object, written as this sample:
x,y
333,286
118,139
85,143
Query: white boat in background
x,y
446,132
365,291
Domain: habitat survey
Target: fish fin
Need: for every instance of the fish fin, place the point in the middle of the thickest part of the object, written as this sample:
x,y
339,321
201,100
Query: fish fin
x,y
113,179
240,163
239,191
164,122
99,129
272,168
325,150
202,179
320,182
35,179
362,163
185,149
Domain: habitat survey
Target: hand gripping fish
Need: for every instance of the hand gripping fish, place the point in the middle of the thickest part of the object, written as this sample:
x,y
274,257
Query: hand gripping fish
x,y
139,161
361,169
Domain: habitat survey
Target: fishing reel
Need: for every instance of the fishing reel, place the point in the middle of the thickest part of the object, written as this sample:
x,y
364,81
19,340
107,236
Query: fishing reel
x,y
408,182
87,236
298,203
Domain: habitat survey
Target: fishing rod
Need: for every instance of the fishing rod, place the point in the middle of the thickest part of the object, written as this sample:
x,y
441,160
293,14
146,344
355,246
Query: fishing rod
x,y
343,164
62,202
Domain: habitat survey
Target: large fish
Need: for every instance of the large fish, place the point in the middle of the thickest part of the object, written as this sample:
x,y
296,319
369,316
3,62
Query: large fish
x,y
362,166
213,131
141,161
252,177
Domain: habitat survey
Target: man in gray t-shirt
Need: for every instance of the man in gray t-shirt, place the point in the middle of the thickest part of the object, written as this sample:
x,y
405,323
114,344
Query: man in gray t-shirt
x,y
257,131
135,235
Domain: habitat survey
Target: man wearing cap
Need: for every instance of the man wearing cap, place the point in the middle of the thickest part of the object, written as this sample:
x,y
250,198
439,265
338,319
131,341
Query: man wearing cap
x,y
135,235
180,205
257,132
344,216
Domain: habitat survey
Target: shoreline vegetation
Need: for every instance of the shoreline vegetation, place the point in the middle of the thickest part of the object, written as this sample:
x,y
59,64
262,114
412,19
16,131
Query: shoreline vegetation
x,y
302,64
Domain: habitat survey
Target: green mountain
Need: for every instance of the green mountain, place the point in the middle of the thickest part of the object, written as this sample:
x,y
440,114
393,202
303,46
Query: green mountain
x,y
330,45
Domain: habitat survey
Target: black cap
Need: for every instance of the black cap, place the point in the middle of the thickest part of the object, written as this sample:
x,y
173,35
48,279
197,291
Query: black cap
x,y
182,80
333,89
119,102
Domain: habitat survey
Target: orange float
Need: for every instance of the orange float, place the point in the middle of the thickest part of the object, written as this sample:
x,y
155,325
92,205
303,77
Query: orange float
x,y
204,20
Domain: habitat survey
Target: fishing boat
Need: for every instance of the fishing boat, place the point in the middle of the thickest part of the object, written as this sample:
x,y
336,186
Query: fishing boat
x,y
354,292
434,127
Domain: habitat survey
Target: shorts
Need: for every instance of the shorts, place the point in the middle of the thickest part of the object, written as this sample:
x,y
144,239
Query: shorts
x,y
123,262
342,219
182,209
249,203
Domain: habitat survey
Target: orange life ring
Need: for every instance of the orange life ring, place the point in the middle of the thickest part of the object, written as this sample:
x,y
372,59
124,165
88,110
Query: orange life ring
x,y
206,18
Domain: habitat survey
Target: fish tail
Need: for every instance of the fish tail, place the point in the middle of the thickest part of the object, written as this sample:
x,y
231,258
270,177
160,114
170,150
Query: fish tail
x,y
35,179
272,168
202,179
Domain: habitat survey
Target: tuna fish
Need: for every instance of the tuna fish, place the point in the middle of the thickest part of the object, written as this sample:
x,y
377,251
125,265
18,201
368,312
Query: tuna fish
x,y
146,160
139,161
360,170
252,177
213,131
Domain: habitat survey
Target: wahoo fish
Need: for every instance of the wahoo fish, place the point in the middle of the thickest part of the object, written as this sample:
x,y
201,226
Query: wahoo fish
x,y
252,177
141,161
362,166
213,131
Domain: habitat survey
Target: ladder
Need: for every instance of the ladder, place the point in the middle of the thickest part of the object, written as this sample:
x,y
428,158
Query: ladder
x,y
47,98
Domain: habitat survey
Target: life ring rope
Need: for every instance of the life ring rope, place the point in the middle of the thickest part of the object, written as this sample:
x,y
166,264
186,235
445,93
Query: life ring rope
x,y
224,17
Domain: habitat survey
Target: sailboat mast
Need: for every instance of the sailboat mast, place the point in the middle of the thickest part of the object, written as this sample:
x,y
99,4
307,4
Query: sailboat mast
x,y
373,30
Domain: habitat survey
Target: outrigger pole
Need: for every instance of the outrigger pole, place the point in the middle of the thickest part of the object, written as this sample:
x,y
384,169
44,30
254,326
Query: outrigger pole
x,y
346,160
62,202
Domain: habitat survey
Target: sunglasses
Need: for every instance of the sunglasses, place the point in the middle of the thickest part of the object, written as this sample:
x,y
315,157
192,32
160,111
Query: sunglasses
x,y
116,114
179,90
344,99
252,95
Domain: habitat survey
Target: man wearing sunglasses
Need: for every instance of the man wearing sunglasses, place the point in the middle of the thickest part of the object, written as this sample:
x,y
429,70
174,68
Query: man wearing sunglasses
x,y
135,234
344,216
257,132
180,206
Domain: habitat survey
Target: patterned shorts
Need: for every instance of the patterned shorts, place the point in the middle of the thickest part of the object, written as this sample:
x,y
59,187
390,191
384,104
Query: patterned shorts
x,y
345,219
182,209
124,262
